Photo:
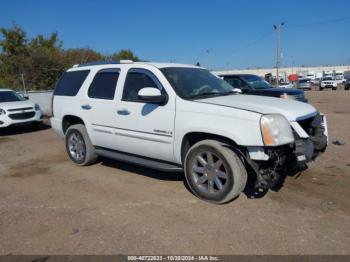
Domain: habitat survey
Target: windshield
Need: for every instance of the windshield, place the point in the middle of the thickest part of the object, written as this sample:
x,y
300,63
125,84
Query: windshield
x,y
10,96
303,81
256,82
327,78
191,83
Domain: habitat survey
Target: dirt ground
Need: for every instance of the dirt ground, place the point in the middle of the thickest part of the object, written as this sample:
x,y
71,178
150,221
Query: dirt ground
x,y
50,206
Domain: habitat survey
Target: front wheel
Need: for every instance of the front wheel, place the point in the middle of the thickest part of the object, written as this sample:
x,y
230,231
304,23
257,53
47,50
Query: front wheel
x,y
214,172
78,145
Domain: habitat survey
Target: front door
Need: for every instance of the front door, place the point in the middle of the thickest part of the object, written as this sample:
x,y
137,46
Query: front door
x,y
145,129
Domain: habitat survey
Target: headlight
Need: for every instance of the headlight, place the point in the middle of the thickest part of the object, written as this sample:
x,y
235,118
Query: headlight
x,y
276,130
37,107
2,112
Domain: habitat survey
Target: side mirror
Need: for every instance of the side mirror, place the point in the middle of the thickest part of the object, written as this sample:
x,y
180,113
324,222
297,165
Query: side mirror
x,y
237,90
151,95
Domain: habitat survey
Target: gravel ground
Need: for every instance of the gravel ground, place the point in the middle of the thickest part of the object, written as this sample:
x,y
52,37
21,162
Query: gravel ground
x,y
50,206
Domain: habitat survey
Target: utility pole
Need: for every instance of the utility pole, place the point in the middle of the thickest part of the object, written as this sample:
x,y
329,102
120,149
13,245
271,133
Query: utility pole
x,y
278,50
24,85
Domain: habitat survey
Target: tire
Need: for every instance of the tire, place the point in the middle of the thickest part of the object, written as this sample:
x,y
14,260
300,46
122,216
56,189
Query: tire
x,y
321,88
334,88
204,180
78,145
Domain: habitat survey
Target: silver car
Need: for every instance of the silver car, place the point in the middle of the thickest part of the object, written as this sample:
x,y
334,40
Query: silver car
x,y
304,84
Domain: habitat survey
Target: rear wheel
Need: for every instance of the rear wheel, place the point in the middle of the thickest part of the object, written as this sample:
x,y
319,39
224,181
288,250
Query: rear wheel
x,y
214,172
78,145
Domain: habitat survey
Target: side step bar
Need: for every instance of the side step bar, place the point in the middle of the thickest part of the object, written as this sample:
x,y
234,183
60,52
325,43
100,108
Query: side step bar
x,y
137,160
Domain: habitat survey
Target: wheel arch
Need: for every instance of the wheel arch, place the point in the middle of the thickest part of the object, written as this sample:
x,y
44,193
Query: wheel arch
x,y
69,120
191,138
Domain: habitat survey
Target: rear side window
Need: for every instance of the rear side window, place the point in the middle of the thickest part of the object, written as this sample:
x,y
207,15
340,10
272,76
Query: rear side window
x,y
104,84
70,83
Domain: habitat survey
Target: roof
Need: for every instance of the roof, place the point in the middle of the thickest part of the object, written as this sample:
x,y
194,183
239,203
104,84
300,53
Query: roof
x,y
3,89
164,65
128,62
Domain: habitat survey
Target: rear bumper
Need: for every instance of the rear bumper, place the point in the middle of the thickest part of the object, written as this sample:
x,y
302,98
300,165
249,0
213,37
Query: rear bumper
x,y
6,121
56,124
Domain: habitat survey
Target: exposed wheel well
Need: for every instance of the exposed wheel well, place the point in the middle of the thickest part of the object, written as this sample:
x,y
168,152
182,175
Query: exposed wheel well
x,y
69,120
192,138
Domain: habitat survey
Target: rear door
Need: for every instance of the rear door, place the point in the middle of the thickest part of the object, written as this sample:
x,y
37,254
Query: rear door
x,y
100,107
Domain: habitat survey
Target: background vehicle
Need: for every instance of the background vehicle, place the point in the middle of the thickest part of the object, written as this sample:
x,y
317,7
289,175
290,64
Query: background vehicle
x,y
304,84
286,85
339,77
16,110
328,82
347,84
254,85
179,117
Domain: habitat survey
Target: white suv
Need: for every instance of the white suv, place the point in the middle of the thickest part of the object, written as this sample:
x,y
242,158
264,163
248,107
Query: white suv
x,y
328,82
177,117
16,110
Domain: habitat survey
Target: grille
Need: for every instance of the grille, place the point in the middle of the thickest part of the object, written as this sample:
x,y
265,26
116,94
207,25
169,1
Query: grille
x,y
20,109
24,115
306,125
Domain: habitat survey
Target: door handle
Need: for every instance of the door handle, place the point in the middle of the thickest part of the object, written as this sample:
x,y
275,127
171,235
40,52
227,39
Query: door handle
x,y
86,107
123,112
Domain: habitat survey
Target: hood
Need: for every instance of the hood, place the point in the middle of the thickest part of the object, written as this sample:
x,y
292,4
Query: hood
x,y
16,104
291,109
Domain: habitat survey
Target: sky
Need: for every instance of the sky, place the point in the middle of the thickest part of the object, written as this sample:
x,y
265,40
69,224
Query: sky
x,y
221,34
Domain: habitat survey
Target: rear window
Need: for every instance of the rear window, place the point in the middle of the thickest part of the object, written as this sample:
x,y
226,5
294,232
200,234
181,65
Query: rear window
x,y
70,83
104,84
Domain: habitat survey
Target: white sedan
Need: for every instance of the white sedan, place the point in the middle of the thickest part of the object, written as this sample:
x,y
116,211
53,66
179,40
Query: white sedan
x,y
16,110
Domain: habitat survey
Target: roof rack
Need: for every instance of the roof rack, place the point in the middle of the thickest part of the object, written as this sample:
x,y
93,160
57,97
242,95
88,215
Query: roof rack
x,y
104,63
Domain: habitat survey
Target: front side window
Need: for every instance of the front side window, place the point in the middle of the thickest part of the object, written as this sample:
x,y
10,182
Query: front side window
x,y
192,83
70,83
134,82
234,82
104,84
10,96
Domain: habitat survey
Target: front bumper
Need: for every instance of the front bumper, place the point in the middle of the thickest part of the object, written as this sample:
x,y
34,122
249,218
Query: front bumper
x,y
328,85
7,120
308,148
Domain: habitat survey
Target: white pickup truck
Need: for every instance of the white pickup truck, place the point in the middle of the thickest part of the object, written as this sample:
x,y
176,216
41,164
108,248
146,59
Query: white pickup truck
x,y
178,117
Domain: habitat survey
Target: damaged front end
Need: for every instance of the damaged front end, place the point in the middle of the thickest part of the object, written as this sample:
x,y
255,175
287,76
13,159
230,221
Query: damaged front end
x,y
270,164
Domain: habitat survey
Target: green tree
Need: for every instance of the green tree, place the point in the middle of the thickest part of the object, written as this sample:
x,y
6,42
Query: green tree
x,y
124,55
41,60
81,55
13,56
